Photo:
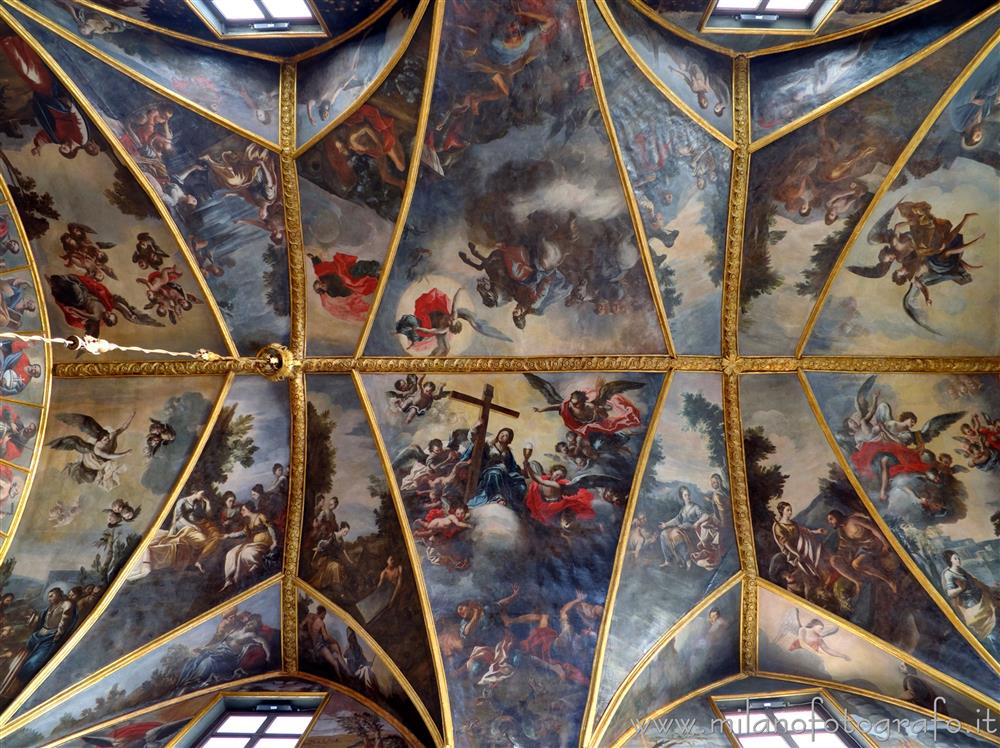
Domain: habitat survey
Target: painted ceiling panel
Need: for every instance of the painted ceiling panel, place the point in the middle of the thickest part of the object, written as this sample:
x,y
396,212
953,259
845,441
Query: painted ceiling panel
x,y
940,499
329,85
351,187
354,552
828,549
536,546
224,533
242,640
498,253
680,176
102,488
704,650
799,641
241,90
331,646
809,190
691,725
524,219
950,183
681,544
46,167
222,190
700,78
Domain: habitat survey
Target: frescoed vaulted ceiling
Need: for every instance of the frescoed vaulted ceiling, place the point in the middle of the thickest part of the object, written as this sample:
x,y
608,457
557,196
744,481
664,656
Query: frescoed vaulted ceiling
x,y
516,373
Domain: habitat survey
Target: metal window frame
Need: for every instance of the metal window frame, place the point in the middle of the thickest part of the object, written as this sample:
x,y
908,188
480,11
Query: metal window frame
x,y
772,709
223,28
791,22
260,732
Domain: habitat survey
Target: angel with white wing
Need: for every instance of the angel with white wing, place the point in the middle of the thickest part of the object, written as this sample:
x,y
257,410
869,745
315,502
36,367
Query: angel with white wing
x,y
811,635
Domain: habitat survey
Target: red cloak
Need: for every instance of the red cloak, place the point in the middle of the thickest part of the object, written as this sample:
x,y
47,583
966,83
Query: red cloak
x,y
580,503
907,460
98,289
622,414
355,306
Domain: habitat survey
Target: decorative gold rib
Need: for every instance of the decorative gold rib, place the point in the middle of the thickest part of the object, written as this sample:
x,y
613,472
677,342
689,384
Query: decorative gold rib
x,y
98,121
146,25
589,714
43,316
413,556
348,620
951,682
626,183
623,688
738,490
127,71
293,211
412,174
890,177
737,208
81,630
624,738
375,364
748,625
349,34
899,67
293,523
372,86
122,662
654,79
727,731
932,592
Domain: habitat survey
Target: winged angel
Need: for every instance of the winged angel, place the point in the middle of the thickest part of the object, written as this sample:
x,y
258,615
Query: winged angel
x,y
97,449
928,251
436,317
811,635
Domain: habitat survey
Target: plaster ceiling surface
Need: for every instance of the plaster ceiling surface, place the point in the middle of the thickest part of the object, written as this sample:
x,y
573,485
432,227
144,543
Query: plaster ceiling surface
x,y
567,371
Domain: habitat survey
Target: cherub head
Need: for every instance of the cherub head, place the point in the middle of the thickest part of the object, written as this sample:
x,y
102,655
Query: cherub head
x,y
909,418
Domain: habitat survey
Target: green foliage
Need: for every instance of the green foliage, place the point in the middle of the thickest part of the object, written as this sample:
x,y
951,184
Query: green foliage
x,y
33,207
705,417
7,571
826,252
322,463
276,280
228,445
128,196
757,276
665,280
765,483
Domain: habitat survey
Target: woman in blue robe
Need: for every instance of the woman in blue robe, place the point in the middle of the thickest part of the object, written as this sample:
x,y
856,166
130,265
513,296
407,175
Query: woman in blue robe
x,y
500,478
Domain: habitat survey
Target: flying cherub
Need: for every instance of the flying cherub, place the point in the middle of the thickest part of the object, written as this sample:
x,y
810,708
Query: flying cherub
x,y
160,435
97,448
418,400
121,511
812,635
61,514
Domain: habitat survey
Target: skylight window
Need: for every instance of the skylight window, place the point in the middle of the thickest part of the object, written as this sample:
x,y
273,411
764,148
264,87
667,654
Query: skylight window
x,y
778,723
258,728
767,16
260,17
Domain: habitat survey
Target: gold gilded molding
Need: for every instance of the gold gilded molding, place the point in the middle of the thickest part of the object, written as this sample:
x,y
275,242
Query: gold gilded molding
x,y
748,625
915,571
589,714
412,173
293,523
126,159
119,581
737,208
626,184
641,7
623,688
977,697
144,80
899,67
293,210
348,620
888,181
413,556
846,716
735,458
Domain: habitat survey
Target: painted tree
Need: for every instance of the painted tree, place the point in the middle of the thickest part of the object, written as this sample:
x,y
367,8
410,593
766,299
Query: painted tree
x,y
705,417
757,276
35,208
229,445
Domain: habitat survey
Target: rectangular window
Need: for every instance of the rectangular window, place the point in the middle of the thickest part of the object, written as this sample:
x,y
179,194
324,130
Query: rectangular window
x,y
260,17
257,729
786,723
767,16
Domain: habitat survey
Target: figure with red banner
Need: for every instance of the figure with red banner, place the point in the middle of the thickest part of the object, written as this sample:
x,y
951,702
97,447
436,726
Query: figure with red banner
x,y
344,284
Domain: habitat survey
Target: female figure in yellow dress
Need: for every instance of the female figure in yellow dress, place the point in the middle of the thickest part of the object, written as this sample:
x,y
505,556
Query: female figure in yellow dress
x,y
244,559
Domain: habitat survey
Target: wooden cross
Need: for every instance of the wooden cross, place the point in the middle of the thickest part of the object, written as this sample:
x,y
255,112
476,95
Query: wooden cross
x,y
479,441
